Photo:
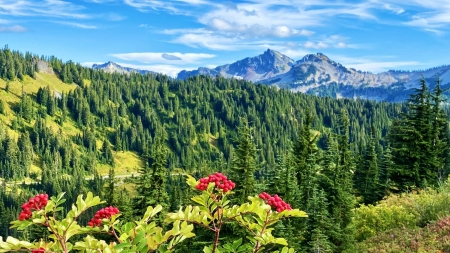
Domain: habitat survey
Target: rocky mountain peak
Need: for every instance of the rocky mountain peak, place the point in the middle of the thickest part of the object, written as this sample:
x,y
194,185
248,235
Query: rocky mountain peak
x,y
112,67
319,57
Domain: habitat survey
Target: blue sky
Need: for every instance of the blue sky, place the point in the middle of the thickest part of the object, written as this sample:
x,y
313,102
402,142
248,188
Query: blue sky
x,y
168,36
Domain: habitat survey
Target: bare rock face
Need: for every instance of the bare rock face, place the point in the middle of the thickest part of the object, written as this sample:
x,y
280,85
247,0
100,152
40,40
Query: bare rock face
x,y
44,67
269,64
319,75
112,67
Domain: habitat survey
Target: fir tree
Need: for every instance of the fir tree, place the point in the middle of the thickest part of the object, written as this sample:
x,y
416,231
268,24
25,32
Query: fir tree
x,y
244,164
419,140
151,185
367,176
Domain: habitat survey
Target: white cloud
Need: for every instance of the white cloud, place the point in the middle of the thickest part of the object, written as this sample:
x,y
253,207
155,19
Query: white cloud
x,y
232,28
341,45
214,42
174,6
74,24
14,28
48,8
114,17
169,70
394,9
164,57
99,1
229,26
430,15
374,66
275,13
318,45
377,67
90,63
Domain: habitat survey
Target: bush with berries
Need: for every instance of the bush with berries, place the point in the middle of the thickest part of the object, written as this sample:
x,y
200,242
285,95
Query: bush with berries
x,y
212,212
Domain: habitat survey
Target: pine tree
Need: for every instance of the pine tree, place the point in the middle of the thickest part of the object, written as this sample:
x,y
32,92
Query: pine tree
x,y
419,140
244,164
305,155
367,176
2,107
339,185
26,153
385,168
439,134
110,189
151,185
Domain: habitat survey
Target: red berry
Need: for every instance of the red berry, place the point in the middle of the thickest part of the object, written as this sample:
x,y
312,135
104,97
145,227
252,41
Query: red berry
x,y
40,250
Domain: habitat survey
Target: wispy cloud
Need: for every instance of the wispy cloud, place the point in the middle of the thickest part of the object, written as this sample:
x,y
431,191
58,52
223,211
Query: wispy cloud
x,y
229,26
48,8
369,63
207,40
255,30
14,29
174,6
174,58
318,45
394,8
169,70
114,17
433,16
78,25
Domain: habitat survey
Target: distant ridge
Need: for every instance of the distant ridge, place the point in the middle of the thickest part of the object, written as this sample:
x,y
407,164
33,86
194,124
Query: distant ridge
x,y
319,75
112,67
269,64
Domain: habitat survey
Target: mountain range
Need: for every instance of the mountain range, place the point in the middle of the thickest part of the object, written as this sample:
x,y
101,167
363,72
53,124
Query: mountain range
x,y
316,74
112,67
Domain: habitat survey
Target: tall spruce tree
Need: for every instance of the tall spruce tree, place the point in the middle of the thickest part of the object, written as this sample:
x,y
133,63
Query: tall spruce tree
x,y
151,184
419,140
244,164
337,182
367,176
305,154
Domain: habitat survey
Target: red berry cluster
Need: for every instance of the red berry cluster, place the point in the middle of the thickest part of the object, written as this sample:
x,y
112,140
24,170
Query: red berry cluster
x,y
104,213
275,201
40,250
219,179
36,203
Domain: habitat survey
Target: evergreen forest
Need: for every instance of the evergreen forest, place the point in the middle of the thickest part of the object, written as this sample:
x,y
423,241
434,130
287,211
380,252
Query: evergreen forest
x,y
353,166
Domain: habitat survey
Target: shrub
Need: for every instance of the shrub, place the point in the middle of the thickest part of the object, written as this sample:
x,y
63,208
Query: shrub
x,y
409,210
212,212
432,238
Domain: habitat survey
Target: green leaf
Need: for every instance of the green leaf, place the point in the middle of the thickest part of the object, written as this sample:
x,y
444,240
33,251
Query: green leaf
x,y
191,181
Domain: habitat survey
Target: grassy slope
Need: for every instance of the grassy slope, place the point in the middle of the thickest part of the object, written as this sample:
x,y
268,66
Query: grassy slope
x,y
126,162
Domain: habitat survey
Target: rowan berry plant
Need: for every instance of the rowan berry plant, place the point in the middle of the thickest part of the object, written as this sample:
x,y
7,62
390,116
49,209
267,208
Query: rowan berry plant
x,y
213,211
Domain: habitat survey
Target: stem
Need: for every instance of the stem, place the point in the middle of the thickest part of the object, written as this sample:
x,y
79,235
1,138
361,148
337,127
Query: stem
x,y
216,240
258,244
217,229
115,235
58,236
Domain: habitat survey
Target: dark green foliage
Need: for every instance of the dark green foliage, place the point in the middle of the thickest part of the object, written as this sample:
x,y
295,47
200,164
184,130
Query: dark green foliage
x,y
151,184
14,64
367,175
244,164
2,107
419,141
337,182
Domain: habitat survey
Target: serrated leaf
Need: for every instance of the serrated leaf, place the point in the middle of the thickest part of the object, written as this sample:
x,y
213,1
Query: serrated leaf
x,y
191,181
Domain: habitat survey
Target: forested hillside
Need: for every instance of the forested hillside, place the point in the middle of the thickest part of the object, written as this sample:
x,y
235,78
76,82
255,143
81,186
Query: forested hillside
x,y
63,131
